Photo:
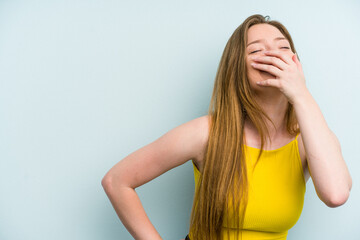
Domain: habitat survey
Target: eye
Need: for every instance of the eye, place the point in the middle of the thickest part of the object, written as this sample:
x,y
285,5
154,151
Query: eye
x,y
254,51
259,50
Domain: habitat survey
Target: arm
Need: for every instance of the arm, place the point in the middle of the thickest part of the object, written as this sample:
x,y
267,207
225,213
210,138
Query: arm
x,y
129,209
326,164
171,150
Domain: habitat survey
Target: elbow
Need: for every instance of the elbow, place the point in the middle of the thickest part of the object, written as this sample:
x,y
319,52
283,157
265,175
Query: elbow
x,y
111,183
338,200
350,184
107,182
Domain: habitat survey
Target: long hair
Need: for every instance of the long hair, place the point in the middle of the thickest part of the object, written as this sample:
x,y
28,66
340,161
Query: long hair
x,y
222,191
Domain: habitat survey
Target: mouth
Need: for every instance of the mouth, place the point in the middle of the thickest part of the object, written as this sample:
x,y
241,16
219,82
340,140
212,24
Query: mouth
x,y
266,73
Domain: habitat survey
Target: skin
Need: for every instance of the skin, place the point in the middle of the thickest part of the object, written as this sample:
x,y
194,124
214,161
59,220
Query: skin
x,y
272,100
318,145
286,83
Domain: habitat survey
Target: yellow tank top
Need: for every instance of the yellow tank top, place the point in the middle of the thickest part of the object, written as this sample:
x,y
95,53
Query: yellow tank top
x,y
276,193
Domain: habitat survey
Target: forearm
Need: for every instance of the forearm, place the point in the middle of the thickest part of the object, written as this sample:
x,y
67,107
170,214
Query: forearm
x,y
325,161
129,209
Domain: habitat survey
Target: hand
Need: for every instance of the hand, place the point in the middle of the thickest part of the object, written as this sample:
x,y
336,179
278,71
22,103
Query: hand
x,y
290,78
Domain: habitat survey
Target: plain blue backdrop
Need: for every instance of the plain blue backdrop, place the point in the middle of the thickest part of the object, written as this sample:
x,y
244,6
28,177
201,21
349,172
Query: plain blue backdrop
x,y
85,83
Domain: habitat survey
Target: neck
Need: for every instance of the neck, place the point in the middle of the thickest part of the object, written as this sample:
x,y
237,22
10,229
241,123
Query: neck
x,y
275,106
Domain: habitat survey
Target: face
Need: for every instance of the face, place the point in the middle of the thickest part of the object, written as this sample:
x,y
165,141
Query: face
x,y
266,34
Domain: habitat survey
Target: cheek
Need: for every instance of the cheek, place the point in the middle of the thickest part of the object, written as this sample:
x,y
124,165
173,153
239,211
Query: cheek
x,y
290,54
252,73
250,69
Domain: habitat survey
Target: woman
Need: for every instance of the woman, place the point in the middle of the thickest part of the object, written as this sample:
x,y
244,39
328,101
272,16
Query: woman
x,y
251,163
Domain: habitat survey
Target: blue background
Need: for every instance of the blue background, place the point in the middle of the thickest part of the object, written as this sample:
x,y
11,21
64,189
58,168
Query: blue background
x,y
85,83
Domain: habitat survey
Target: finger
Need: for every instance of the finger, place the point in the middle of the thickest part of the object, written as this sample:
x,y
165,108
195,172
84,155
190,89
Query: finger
x,y
297,61
267,68
283,57
269,83
270,60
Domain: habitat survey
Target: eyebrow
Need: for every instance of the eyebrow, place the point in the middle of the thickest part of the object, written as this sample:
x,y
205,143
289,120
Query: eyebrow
x,y
259,40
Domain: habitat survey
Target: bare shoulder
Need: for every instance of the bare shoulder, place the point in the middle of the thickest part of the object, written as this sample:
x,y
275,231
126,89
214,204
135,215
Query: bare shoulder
x,y
303,158
199,128
203,127
174,148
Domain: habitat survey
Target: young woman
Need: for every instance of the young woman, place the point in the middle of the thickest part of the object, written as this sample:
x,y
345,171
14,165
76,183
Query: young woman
x,y
251,162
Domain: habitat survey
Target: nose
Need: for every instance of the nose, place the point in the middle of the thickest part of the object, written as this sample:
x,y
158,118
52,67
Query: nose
x,y
269,45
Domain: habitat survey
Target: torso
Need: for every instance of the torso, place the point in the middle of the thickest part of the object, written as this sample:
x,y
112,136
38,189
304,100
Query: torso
x,y
252,142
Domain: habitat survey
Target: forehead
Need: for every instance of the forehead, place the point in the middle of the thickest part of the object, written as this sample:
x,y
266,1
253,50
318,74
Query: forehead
x,y
263,31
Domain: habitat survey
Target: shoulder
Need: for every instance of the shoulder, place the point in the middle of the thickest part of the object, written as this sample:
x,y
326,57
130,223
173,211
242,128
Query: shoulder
x,y
201,124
